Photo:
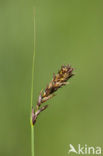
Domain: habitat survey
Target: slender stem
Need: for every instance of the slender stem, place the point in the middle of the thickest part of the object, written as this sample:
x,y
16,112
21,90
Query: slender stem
x,y
32,141
32,84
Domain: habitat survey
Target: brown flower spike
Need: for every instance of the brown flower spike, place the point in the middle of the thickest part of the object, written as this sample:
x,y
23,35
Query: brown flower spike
x,y
59,80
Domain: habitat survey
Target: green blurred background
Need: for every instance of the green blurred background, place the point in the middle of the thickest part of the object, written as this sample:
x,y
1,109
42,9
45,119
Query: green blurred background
x,y
67,31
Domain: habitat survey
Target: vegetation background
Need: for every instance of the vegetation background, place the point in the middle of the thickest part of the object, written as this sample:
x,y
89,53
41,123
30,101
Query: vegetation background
x,y
67,31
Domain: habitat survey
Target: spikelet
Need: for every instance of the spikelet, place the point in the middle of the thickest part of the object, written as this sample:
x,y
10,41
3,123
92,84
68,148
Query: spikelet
x,y
59,80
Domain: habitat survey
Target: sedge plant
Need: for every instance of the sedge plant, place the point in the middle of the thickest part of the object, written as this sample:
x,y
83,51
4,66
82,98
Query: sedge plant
x,y
58,81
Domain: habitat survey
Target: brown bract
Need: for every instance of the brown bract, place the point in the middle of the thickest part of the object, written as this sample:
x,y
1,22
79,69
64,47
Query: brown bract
x,y
59,80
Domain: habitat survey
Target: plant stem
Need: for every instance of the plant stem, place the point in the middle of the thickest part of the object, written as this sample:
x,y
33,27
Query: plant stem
x,y
32,84
32,140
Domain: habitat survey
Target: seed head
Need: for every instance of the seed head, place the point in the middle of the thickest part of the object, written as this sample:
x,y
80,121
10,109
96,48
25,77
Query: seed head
x,y
59,80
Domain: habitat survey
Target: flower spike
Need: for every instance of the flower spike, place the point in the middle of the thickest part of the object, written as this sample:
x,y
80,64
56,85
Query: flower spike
x,y
59,80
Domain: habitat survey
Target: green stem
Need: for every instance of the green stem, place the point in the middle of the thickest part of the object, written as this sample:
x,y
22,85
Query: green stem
x,y
32,140
32,84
